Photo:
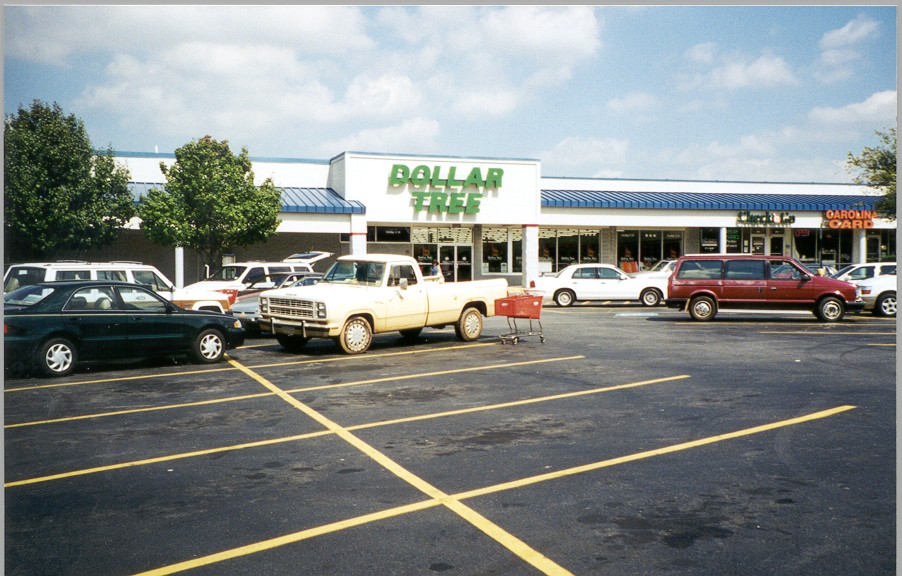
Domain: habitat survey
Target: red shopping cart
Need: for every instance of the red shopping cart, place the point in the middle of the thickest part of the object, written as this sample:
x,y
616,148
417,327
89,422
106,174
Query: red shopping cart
x,y
526,306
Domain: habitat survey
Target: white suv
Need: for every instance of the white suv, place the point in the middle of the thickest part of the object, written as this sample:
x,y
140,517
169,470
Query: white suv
x,y
243,277
19,275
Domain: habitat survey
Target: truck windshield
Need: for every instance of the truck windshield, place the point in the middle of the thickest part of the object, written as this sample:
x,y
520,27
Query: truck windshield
x,y
355,272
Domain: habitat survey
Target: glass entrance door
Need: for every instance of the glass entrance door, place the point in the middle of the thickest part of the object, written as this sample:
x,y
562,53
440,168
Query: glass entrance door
x,y
456,262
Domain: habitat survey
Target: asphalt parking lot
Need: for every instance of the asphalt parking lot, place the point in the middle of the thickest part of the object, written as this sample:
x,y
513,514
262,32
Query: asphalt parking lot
x,y
632,441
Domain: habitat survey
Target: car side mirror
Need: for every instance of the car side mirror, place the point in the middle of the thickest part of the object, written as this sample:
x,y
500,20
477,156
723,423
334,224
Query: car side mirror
x,y
402,283
806,277
624,277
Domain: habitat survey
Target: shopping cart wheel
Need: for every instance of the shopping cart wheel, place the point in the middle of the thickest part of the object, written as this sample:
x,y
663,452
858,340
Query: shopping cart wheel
x,y
515,341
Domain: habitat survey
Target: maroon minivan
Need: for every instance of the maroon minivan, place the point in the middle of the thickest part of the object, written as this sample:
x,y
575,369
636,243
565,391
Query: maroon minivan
x,y
706,283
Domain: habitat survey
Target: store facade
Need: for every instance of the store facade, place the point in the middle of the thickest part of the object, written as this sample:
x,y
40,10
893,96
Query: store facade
x,y
489,217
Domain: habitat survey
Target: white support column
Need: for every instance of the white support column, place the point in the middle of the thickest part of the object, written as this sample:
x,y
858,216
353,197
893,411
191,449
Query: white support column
x,y
859,246
722,241
358,234
179,267
530,253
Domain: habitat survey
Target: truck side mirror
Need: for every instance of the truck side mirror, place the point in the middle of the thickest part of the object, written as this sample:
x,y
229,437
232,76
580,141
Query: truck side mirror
x,y
402,283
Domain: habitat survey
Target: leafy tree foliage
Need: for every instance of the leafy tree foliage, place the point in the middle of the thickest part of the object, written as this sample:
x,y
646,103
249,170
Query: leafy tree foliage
x,y
210,203
876,167
59,195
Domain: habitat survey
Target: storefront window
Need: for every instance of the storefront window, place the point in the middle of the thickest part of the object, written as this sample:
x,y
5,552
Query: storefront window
x,y
588,247
673,245
495,250
734,240
650,247
567,248
628,250
709,238
516,250
547,249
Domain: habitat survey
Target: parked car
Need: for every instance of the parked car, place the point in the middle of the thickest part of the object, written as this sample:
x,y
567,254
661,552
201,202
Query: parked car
x,y
56,325
19,275
247,308
661,269
243,277
703,284
600,282
855,273
819,269
879,294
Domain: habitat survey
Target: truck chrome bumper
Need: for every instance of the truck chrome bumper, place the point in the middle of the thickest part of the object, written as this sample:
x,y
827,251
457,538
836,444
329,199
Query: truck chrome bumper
x,y
302,328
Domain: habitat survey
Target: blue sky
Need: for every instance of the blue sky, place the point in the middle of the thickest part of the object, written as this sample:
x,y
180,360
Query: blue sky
x,y
758,93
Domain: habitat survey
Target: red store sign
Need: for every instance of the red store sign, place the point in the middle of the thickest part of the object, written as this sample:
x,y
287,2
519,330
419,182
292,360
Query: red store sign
x,y
850,219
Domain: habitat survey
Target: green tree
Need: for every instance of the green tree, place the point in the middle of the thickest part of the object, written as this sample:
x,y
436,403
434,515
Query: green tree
x,y
876,167
210,203
59,194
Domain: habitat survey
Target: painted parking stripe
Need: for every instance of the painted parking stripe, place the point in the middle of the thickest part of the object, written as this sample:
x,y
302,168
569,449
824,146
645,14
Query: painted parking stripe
x,y
232,369
377,424
515,545
292,391
418,506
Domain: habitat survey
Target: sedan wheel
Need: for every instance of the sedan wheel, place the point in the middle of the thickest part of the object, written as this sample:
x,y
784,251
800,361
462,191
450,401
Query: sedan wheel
x,y
650,297
564,298
209,347
57,357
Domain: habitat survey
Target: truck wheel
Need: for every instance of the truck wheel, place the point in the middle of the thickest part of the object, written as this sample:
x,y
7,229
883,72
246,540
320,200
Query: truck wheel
x,y
886,304
469,326
57,357
291,342
650,297
702,308
830,309
356,336
564,298
209,347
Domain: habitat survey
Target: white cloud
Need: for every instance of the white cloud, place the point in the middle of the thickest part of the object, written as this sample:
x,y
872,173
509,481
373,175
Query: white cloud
x,y
417,135
735,71
590,155
633,102
840,56
879,109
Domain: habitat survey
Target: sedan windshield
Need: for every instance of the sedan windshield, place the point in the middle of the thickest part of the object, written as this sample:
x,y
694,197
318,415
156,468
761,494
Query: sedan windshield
x,y
27,296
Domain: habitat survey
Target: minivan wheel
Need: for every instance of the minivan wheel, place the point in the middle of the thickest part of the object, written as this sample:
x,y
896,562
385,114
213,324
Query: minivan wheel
x,y
886,304
702,308
650,297
830,309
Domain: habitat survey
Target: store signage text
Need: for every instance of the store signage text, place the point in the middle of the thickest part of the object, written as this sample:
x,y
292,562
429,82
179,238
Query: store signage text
x,y
850,219
767,218
443,199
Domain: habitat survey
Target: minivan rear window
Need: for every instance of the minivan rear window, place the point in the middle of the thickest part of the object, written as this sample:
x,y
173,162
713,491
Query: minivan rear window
x,y
700,270
745,270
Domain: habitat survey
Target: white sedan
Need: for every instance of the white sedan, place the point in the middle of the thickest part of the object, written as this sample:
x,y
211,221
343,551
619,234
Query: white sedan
x,y
600,282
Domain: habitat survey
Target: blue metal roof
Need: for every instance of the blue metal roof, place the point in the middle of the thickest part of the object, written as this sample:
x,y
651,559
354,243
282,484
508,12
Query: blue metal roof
x,y
295,200
704,201
318,201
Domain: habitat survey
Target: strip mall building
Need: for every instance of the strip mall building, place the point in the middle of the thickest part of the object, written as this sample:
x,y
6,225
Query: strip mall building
x,y
491,217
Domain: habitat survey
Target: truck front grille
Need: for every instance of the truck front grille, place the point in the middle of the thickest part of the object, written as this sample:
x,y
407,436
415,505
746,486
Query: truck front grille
x,y
291,308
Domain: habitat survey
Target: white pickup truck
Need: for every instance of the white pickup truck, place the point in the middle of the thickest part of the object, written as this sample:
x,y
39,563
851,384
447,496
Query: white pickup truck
x,y
364,295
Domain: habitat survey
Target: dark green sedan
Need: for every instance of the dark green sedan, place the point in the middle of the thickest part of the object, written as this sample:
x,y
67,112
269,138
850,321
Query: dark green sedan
x,y
56,325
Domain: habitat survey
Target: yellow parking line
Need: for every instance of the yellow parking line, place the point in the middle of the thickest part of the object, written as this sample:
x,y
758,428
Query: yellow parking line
x,y
494,531
232,369
355,427
418,506
826,333
292,391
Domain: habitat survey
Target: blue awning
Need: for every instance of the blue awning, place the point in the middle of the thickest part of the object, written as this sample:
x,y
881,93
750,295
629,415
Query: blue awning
x,y
704,201
295,200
